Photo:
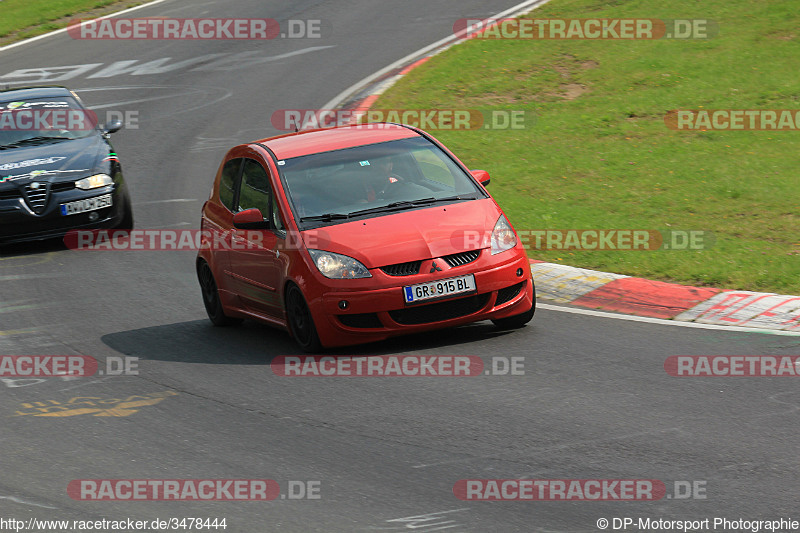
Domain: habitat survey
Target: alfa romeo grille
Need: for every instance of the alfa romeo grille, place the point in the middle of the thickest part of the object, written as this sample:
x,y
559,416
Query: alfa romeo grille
x,y
36,198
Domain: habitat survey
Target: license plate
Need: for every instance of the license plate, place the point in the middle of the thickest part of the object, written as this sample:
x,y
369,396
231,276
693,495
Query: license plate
x,y
90,204
439,289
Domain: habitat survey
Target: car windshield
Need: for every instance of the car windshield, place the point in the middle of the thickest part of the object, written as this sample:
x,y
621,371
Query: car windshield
x,y
43,120
373,180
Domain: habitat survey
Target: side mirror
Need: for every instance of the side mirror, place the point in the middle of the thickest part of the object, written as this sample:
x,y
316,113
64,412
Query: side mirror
x,y
250,219
111,127
482,176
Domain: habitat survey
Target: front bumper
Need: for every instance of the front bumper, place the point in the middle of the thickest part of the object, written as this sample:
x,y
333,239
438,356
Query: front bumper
x,y
19,222
373,315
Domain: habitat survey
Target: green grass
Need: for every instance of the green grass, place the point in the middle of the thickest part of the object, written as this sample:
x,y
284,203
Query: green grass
x,y
603,157
20,19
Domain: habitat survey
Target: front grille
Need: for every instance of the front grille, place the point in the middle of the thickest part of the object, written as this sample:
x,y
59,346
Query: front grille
x,y
509,293
462,258
36,198
436,312
403,269
361,320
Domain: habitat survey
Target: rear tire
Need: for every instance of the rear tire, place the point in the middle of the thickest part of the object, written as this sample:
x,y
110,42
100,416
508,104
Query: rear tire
x,y
301,323
516,321
211,298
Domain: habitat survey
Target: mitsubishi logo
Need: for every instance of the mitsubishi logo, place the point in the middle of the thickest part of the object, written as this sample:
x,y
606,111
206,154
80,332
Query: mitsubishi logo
x,y
434,268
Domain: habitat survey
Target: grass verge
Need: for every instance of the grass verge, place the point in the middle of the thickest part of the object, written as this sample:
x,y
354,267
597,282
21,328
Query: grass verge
x,y
22,19
600,156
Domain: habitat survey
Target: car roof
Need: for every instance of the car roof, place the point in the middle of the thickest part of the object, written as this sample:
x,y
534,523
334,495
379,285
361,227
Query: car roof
x,y
34,92
325,140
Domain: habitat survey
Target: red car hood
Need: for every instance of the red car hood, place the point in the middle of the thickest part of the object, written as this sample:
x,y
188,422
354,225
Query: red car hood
x,y
410,235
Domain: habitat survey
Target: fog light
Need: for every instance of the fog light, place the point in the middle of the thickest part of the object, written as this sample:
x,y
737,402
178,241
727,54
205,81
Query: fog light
x,y
519,272
344,304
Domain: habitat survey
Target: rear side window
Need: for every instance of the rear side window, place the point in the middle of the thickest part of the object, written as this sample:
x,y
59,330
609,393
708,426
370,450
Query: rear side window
x,y
227,183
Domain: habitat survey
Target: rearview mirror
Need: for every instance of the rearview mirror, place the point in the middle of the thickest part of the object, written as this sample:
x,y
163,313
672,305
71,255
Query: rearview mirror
x,y
482,176
250,219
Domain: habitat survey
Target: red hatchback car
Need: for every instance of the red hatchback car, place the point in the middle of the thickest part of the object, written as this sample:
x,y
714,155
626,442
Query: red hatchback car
x,y
356,234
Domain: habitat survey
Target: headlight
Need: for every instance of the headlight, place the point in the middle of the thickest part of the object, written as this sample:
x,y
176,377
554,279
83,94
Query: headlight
x,y
338,266
503,237
93,182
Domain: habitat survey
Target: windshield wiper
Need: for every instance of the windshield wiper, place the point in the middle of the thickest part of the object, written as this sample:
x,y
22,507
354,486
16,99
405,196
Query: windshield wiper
x,y
404,204
394,206
34,140
327,217
470,196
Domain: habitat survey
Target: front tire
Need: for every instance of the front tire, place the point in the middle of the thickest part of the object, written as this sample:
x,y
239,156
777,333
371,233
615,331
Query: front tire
x,y
127,216
211,298
301,323
516,321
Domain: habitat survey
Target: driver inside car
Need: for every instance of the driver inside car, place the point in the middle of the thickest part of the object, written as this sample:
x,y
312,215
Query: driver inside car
x,y
380,180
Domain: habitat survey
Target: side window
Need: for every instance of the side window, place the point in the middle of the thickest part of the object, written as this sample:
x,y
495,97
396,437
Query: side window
x,y
227,183
255,190
433,167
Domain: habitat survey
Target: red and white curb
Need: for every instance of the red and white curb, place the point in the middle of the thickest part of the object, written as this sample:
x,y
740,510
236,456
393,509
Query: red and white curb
x,y
658,299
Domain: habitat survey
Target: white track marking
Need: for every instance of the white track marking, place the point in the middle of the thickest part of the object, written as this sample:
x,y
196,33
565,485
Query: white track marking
x,y
174,200
25,502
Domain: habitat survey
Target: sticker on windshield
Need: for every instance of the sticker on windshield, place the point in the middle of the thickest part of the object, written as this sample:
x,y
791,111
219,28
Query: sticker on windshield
x,y
364,163
54,104
281,163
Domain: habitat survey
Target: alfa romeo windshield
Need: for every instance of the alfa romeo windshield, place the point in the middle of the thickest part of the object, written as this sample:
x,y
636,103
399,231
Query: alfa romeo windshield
x,y
43,120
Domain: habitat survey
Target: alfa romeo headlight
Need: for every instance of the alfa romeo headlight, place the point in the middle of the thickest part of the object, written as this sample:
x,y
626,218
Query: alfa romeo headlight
x,y
94,182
